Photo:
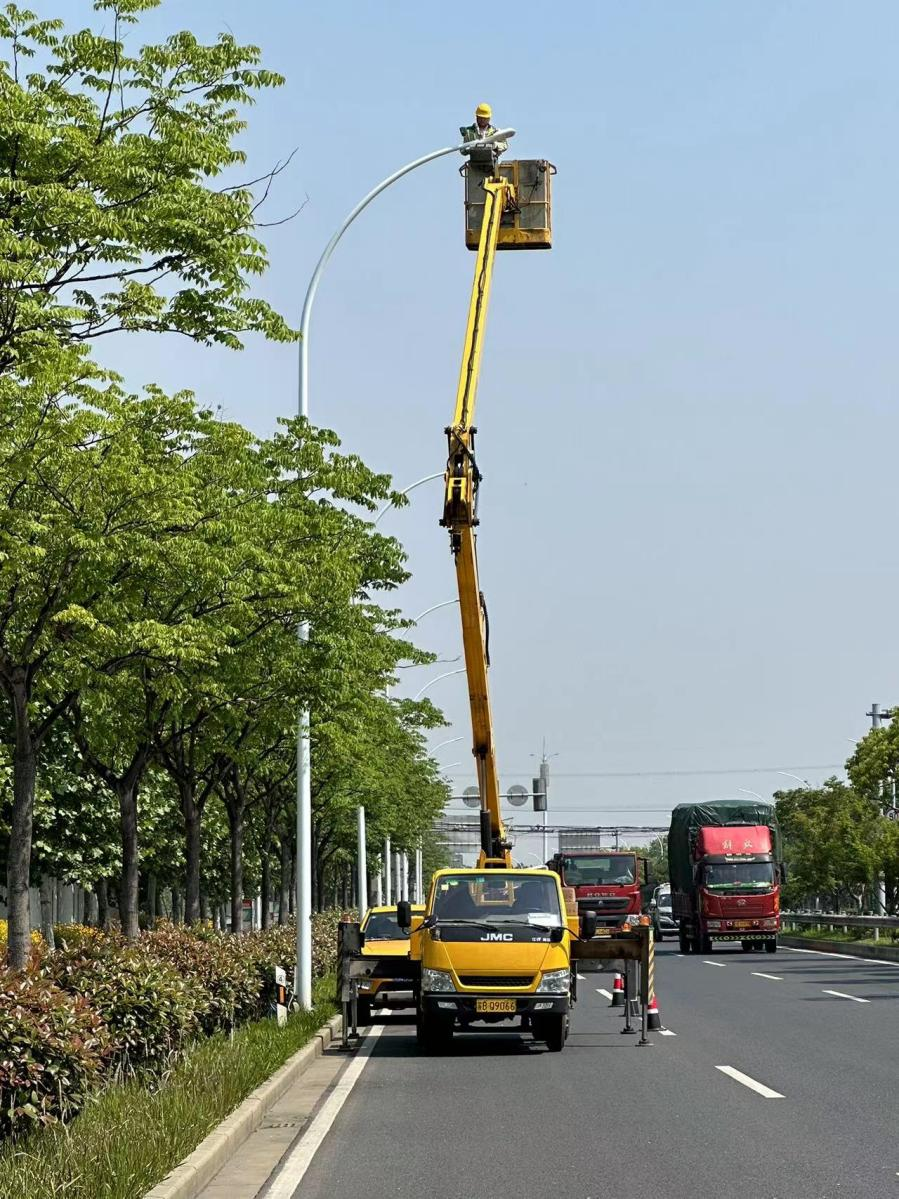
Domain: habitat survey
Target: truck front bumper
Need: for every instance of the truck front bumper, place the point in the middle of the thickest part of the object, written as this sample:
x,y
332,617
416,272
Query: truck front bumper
x,y
465,1007
749,934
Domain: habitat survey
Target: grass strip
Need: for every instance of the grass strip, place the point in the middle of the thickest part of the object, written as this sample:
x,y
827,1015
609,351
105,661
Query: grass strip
x,y
822,933
131,1135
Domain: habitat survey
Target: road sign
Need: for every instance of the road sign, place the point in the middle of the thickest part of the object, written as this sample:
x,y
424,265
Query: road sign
x,y
517,795
472,797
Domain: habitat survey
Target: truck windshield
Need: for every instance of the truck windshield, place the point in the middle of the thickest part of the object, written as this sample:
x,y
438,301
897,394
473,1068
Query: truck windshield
x,y
383,927
497,897
599,870
739,874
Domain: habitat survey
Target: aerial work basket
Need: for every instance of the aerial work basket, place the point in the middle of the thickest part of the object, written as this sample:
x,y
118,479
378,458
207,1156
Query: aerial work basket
x,y
527,224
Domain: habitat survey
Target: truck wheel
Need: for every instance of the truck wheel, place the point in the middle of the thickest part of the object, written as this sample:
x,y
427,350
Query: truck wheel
x,y
771,947
683,941
363,1010
553,1030
705,944
746,946
433,1033
659,937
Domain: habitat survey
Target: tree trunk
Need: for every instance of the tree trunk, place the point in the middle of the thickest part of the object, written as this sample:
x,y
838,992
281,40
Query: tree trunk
x,y
177,907
18,866
204,906
266,884
192,817
47,910
235,821
103,904
315,865
151,898
129,906
91,909
284,897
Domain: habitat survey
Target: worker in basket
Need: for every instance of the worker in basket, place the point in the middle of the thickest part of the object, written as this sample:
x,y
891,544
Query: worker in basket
x,y
483,128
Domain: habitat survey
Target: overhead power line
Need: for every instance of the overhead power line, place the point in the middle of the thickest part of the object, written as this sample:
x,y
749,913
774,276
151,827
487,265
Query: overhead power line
x,y
649,774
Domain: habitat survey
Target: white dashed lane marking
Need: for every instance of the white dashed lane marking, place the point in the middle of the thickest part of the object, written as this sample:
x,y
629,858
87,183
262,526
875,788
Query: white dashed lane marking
x,y
751,1083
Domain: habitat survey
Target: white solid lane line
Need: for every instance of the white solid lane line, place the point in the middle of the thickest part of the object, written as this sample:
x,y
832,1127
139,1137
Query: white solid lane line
x,y
775,978
603,991
721,964
666,1032
853,957
758,1087
582,978
299,1160
843,995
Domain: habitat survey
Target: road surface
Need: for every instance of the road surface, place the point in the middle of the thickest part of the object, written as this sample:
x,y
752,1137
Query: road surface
x,y
781,1081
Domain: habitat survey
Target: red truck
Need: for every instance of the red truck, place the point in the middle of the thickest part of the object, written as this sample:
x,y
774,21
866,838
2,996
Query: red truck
x,y
605,881
725,863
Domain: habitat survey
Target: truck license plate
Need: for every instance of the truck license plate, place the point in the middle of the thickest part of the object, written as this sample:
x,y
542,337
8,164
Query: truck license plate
x,y
495,1005
742,924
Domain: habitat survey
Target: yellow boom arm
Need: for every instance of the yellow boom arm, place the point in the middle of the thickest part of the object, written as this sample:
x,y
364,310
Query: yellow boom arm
x,y
460,517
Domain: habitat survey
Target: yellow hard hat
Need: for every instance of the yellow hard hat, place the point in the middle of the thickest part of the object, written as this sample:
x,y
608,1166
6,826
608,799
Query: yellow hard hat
x,y
483,110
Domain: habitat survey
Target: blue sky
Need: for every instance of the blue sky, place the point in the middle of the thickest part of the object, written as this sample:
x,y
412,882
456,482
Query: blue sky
x,y
688,418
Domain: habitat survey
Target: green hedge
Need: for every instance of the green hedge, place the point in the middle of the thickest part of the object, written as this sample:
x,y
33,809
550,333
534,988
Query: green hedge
x,y
98,1007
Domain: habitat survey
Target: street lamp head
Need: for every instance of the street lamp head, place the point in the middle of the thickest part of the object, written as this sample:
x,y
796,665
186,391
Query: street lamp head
x,y
501,135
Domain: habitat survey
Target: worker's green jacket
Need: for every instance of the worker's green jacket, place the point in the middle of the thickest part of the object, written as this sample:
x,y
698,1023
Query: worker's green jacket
x,y
471,133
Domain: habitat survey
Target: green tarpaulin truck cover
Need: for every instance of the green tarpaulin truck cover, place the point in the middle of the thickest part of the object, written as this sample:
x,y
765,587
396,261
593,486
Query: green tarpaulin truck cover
x,y
688,818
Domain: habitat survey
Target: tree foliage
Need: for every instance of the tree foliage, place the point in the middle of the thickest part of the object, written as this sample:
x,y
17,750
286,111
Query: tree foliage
x,y
154,559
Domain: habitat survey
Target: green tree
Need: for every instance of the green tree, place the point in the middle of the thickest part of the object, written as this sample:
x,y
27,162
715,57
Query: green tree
x,y
113,217
832,841
112,213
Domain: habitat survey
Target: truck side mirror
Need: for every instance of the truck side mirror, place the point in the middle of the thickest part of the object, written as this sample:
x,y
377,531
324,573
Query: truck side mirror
x,y
404,915
783,872
588,925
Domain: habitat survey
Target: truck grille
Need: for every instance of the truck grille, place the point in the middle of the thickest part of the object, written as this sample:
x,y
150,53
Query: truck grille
x,y
496,980
603,903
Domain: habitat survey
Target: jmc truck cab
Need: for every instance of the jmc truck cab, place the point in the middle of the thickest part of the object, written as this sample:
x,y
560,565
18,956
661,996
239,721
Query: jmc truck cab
x,y
494,946
604,881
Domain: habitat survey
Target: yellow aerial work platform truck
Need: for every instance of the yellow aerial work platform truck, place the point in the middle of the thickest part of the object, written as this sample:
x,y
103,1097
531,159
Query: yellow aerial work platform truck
x,y
496,942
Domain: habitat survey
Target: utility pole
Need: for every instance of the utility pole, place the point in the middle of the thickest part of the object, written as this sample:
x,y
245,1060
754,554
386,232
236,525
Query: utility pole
x,y
877,716
388,880
541,793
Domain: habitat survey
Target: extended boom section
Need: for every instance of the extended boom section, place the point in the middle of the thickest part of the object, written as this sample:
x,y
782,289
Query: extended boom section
x,y
460,517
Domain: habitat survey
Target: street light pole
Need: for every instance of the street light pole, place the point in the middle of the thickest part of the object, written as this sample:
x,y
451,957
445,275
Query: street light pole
x,y
434,608
362,863
787,775
439,474
448,675
303,977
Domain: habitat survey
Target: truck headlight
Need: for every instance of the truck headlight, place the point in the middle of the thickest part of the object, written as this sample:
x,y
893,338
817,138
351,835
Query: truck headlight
x,y
436,980
713,923
554,982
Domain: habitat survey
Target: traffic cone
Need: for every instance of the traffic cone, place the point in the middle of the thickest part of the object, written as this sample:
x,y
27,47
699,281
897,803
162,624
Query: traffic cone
x,y
617,992
653,1018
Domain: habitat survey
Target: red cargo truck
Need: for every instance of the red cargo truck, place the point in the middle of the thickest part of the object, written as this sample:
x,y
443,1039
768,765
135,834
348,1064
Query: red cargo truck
x,y
725,877
605,881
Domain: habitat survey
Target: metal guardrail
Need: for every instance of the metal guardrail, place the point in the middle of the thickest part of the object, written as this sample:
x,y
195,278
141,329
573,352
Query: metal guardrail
x,y
837,920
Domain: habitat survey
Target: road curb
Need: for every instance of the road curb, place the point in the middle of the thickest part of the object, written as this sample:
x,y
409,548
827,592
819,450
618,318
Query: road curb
x,y
200,1167
883,953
